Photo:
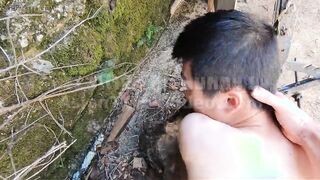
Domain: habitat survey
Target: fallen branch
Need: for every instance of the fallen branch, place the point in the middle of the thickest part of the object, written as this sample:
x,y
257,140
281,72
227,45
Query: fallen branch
x,y
46,108
22,173
20,15
59,91
35,72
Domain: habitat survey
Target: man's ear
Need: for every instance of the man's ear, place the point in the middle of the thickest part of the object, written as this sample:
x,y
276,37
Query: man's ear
x,y
233,100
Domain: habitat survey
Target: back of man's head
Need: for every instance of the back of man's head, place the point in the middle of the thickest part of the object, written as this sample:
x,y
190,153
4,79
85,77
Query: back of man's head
x,y
230,49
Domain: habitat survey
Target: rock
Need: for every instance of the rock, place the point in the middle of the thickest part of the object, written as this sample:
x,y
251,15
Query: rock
x,y
139,163
139,85
182,89
112,5
39,37
59,8
105,150
125,97
42,66
154,104
23,42
173,87
3,37
93,127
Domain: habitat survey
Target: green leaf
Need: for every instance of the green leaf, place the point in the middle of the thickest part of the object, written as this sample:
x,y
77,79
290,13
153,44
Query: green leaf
x,y
105,76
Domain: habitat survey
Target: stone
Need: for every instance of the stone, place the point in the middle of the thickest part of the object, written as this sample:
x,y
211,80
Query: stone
x,y
59,8
139,163
93,127
3,37
39,37
23,42
42,66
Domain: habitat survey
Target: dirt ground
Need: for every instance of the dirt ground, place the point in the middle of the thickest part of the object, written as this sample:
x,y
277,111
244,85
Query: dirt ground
x,y
305,45
142,150
306,48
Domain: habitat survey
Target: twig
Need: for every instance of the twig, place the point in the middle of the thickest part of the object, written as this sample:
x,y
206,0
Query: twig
x,y
10,39
10,145
20,15
15,59
18,132
62,119
29,112
34,72
46,108
7,56
11,117
52,94
24,171
16,91
23,59
1,177
2,156
50,130
52,160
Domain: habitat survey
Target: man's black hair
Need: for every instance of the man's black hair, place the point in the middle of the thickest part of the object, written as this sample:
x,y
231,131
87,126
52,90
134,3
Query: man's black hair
x,y
230,49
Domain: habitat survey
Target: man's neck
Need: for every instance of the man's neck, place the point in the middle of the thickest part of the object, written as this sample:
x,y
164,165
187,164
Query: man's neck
x,y
259,122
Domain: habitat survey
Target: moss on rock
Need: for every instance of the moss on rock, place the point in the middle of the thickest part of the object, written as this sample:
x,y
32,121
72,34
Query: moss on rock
x,y
24,151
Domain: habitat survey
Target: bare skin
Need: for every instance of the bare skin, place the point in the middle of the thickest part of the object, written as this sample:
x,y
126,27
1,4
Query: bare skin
x,y
296,125
236,140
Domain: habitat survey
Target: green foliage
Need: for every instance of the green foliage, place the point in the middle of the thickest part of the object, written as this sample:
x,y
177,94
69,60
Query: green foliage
x,y
105,76
107,73
150,36
85,48
129,23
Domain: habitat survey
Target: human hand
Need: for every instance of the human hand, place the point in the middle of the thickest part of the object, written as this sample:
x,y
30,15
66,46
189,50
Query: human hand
x,y
295,123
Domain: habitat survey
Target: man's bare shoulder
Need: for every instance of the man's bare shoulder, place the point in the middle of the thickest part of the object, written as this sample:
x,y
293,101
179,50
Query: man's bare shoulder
x,y
206,141
193,121
203,131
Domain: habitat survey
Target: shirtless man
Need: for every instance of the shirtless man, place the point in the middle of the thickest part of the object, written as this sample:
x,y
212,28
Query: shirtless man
x,y
225,55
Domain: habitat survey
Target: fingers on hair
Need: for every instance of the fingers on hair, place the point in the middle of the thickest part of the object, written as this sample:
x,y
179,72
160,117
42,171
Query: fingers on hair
x,y
266,97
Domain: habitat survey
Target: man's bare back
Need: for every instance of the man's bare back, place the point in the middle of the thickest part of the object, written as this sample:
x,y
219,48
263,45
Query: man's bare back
x,y
225,55
249,153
